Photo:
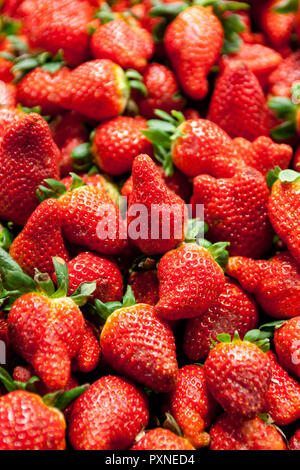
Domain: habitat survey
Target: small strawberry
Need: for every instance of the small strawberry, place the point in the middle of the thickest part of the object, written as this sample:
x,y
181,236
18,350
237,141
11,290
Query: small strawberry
x,y
5,70
8,95
238,374
295,441
238,93
233,311
190,281
192,405
254,434
88,356
162,439
108,416
287,345
144,285
283,77
276,26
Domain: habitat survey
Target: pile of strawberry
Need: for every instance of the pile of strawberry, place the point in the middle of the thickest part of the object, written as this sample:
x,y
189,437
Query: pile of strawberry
x,y
177,342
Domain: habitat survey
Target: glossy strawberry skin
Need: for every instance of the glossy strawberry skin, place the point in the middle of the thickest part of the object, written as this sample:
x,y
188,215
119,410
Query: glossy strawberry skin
x,y
193,43
136,343
235,210
28,424
287,345
295,441
284,213
283,396
192,405
233,311
88,356
238,376
40,240
97,89
124,42
277,27
283,77
47,333
111,427
5,73
190,282
8,115
145,286
117,142
8,94
275,283
162,439
238,93
248,435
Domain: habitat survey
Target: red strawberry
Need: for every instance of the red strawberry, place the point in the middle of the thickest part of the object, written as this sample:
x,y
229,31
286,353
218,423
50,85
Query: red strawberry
x,y
238,375
28,155
275,283
88,356
136,343
287,345
277,27
283,397
117,142
296,161
164,213
144,286
284,210
190,282
108,416
162,439
97,89
5,70
7,117
27,423
295,441
236,211
254,434
238,93
40,240
192,405
8,95
101,182
283,77
233,311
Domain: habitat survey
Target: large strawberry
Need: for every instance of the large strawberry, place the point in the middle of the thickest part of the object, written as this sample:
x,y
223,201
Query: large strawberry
x,y
108,416
161,439
287,345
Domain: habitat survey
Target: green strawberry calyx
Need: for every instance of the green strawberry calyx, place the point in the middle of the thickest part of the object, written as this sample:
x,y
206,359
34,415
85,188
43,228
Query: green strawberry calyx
x,y
55,189
26,62
286,111
11,385
257,337
104,310
286,6
218,251
284,176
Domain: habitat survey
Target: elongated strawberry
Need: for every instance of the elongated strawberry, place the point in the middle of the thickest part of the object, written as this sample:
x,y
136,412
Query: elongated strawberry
x,y
28,155
8,95
161,439
163,214
137,344
190,281
287,345
94,426
233,311
88,356
275,283
254,434
238,375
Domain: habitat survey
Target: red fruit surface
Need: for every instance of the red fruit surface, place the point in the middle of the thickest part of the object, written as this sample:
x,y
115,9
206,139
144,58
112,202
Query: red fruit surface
x,y
162,439
144,286
287,345
295,441
88,356
8,94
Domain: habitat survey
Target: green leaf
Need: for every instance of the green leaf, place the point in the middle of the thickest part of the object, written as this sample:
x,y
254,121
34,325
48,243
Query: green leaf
x,y
17,43
7,380
139,86
62,276
168,10
26,64
232,43
289,176
284,131
83,292
272,326
16,280
272,176
224,338
44,283
283,107
29,385
133,74
159,30
77,182
61,399
220,254
196,228
53,67
104,310
252,335
6,238
286,6
82,151
7,264
128,299
157,136
161,125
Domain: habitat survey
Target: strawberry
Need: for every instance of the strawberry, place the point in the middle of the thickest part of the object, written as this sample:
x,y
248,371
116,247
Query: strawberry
x,y
94,426
276,26
283,77
136,343
8,95
28,155
162,91
233,311
88,356
254,434
284,209
117,142
236,210
296,161
283,396
192,405
190,281
59,24
238,93
101,182
295,441
97,89
40,240
287,345
5,70
7,117
157,234
144,286
161,439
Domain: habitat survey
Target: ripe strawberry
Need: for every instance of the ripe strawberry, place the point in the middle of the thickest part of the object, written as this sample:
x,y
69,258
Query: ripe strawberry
x,y
5,70
158,203
162,91
117,142
137,344
144,286
283,396
88,356
236,211
284,210
277,27
28,155
27,423
238,376
40,240
296,161
233,311
295,441
283,77
8,95
101,182
58,24
162,439
94,426
7,117
190,281
97,89
192,405
275,283
238,93
287,345
254,434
